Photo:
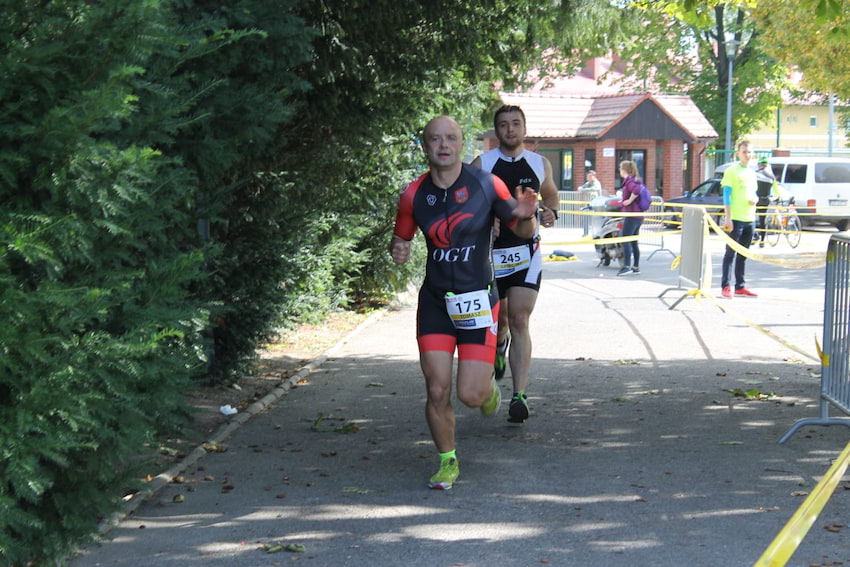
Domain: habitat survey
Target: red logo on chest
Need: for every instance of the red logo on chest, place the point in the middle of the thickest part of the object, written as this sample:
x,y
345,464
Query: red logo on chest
x,y
462,195
441,231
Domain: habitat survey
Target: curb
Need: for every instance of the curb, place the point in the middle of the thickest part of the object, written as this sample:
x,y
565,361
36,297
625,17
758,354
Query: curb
x,y
226,430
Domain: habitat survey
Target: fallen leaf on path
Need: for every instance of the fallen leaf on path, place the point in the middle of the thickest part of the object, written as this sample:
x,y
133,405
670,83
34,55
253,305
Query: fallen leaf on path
x,y
295,547
348,428
751,394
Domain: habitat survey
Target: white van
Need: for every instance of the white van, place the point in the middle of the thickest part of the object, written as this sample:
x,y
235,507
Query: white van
x,y
820,186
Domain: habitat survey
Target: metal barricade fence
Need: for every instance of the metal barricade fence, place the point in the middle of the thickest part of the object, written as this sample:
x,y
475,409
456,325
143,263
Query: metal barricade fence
x,y
571,203
654,224
835,357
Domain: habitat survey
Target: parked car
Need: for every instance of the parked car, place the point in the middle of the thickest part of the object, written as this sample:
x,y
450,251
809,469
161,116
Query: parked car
x,y
709,194
820,186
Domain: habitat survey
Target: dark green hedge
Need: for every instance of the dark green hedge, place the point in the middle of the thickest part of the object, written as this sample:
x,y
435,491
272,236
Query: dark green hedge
x,y
99,336
180,180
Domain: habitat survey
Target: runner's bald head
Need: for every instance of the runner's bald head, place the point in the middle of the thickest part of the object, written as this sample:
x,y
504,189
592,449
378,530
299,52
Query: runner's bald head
x,y
442,123
442,142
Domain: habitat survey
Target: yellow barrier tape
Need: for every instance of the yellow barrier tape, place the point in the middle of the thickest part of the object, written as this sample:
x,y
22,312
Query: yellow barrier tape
x,y
824,358
715,208
611,240
698,294
618,214
710,206
762,330
802,260
789,538
761,210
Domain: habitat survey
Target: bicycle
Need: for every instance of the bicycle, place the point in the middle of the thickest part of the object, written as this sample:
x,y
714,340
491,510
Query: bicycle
x,y
782,220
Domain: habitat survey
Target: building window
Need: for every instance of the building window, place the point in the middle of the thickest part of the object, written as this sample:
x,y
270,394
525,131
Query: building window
x,y
659,172
813,121
791,119
589,159
567,170
562,168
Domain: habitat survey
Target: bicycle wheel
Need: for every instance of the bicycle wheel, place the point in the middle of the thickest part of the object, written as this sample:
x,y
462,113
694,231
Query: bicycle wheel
x,y
793,230
771,230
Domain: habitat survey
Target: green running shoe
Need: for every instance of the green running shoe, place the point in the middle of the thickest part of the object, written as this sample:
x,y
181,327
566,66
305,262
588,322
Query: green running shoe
x,y
518,410
501,362
490,407
446,476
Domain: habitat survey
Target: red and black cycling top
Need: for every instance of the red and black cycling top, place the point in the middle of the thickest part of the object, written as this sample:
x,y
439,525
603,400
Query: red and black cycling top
x,y
457,223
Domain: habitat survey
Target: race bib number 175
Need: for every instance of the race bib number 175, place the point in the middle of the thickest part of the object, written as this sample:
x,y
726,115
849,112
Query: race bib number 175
x,y
470,310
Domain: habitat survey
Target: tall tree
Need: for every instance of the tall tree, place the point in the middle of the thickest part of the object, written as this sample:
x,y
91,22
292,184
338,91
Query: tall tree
x,y
818,46
695,41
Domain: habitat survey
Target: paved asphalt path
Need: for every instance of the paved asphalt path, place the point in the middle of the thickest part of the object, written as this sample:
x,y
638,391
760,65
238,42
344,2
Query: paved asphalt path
x,y
636,454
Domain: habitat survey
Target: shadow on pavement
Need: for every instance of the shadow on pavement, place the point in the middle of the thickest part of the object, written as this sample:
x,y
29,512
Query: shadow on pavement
x,y
622,463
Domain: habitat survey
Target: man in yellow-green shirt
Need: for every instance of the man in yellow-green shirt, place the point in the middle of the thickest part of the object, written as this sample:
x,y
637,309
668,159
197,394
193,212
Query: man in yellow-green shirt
x,y
740,195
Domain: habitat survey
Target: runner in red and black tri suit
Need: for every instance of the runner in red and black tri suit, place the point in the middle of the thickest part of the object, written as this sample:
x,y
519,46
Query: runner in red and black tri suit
x,y
455,206
455,222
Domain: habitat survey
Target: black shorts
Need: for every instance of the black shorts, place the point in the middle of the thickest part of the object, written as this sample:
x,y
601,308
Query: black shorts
x,y
435,331
518,279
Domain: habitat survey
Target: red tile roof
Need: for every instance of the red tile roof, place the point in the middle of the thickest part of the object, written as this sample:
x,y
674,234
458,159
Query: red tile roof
x,y
589,116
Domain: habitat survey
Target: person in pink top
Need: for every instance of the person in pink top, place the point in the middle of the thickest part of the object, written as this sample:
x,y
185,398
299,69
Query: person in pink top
x,y
631,224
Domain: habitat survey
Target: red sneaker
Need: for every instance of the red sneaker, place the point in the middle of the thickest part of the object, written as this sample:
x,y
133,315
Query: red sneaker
x,y
727,292
745,292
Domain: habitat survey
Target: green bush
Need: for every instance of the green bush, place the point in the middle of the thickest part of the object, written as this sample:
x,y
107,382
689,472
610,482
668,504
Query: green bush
x,y
99,339
180,179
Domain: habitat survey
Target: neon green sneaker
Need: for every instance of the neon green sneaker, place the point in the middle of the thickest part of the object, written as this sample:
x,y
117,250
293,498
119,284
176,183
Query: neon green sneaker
x,y
446,476
490,407
518,410
501,362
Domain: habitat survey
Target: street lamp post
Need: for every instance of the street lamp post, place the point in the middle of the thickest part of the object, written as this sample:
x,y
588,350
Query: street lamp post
x,y
731,46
